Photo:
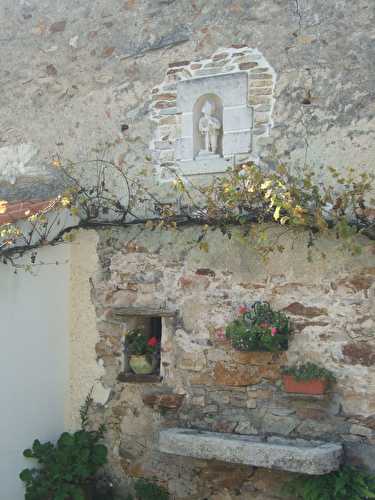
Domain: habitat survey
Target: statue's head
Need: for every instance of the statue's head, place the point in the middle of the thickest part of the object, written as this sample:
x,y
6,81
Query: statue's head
x,y
207,108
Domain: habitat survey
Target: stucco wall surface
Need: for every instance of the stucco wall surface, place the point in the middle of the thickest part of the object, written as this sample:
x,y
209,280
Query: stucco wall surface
x,y
34,360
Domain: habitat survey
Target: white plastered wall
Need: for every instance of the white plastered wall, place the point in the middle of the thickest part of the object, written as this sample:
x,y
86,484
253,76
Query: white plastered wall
x,y
34,322
47,361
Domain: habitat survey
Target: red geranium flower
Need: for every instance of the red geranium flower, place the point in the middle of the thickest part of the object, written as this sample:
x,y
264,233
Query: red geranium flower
x,y
273,331
243,309
152,342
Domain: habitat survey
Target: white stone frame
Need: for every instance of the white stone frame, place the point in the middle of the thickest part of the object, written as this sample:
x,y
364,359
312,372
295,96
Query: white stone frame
x,y
242,80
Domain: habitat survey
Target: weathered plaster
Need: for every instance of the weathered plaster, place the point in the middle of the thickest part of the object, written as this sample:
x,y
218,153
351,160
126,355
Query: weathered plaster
x,y
84,370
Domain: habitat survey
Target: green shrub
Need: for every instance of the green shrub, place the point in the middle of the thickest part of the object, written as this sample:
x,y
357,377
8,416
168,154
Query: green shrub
x,y
309,371
66,468
259,328
345,484
147,490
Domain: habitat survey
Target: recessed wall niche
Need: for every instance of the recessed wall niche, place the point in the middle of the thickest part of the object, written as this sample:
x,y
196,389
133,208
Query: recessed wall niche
x,y
208,127
210,113
142,349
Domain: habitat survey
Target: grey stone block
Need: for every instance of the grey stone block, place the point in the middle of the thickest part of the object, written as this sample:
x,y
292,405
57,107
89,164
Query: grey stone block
x,y
302,456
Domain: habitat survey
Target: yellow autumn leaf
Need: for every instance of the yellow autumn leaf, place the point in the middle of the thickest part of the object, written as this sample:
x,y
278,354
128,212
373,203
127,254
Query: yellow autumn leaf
x,y
3,206
268,193
203,245
276,214
56,163
284,219
65,201
266,184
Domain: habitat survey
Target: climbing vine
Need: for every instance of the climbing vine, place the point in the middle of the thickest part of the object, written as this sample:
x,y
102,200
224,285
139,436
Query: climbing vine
x,y
255,200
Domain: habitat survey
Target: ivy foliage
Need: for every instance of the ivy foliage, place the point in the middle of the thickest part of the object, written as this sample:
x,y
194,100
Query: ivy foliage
x,y
309,371
67,468
259,328
347,483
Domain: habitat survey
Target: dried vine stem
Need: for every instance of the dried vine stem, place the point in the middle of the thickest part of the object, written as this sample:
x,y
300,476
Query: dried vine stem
x,y
99,194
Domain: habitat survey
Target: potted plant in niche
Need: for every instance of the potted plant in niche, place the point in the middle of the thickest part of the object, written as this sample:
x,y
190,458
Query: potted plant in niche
x,y
307,378
142,351
259,328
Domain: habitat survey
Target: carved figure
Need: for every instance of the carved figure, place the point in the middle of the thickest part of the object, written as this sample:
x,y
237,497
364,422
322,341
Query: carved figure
x,y
209,127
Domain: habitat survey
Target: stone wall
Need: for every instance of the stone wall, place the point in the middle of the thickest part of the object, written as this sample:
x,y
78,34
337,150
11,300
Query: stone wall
x,y
79,73
206,384
74,73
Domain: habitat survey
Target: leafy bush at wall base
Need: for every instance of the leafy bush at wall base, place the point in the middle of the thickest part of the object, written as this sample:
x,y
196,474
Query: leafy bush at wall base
x,y
66,468
148,490
348,483
259,328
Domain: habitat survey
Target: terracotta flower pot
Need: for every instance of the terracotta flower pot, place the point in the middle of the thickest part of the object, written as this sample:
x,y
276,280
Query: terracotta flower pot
x,y
314,386
140,365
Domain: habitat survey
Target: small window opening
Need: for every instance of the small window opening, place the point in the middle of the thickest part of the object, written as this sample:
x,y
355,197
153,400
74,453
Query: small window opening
x,y
142,350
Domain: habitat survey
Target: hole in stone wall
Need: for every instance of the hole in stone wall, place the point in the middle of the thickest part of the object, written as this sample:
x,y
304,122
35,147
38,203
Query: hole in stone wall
x,y
142,350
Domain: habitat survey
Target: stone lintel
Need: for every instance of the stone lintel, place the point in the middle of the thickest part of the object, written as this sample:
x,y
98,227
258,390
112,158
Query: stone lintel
x,y
119,311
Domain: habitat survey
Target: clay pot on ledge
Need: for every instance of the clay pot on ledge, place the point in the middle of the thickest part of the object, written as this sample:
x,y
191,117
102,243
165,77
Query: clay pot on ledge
x,y
313,387
141,365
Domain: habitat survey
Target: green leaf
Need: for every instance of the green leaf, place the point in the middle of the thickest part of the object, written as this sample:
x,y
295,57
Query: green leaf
x,y
26,475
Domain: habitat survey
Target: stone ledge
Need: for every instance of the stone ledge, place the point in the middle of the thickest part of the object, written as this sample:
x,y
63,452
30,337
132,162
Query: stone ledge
x,y
307,457
132,378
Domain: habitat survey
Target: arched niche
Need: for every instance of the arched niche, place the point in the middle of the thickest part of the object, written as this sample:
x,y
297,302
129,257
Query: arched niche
x,y
213,104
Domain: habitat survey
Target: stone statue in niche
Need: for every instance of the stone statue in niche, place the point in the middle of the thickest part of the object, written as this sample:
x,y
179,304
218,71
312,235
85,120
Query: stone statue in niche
x,y
210,127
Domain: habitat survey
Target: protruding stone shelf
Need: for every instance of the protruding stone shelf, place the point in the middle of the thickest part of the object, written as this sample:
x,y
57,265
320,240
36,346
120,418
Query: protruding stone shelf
x,y
132,378
307,457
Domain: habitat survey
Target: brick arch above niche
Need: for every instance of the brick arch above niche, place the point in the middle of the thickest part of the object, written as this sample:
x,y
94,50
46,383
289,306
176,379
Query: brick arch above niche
x,y
237,87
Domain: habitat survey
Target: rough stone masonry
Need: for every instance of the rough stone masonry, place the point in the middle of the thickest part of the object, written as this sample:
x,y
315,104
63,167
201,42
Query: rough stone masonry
x,y
206,384
79,73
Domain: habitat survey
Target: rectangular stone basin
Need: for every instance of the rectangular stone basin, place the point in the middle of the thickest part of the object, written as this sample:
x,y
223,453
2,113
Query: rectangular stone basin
x,y
307,457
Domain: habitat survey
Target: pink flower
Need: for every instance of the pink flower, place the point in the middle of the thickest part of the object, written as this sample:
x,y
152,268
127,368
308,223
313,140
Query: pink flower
x,y
152,342
243,309
220,334
273,331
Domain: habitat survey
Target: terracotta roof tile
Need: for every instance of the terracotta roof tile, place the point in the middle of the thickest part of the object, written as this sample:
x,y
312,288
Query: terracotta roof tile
x,y
23,209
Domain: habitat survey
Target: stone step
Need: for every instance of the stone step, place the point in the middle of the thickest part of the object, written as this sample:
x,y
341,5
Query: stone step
x,y
306,457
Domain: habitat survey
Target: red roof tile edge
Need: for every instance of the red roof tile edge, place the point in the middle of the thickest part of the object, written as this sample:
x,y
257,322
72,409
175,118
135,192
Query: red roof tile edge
x,y
23,209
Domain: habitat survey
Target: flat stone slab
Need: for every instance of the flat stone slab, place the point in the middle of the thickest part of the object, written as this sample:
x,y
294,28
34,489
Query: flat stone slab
x,y
307,457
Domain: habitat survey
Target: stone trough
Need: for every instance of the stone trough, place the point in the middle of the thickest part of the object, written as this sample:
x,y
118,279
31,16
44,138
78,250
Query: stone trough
x,y
294,455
